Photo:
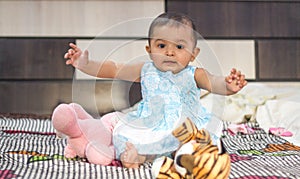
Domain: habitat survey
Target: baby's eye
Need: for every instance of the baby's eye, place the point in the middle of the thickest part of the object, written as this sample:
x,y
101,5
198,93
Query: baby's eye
x,y
161,45
180,46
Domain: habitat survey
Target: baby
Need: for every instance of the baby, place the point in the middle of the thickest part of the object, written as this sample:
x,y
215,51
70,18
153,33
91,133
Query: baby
x,y
170,89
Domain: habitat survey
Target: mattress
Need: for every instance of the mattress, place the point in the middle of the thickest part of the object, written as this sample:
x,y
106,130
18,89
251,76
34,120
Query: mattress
x,y
30,149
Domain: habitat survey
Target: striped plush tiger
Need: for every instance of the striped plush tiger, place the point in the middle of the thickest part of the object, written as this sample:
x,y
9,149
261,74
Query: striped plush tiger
x,y
196,158
188,131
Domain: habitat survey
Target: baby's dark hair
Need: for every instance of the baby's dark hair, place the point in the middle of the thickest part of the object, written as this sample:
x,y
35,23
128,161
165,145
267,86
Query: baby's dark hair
x,y
173,19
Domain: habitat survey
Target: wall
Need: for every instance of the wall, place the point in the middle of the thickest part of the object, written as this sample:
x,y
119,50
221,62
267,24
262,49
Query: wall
x,y
273,25
260,37
34,36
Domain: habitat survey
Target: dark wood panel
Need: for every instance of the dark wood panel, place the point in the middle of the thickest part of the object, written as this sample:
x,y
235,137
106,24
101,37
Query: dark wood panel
x,y
33,97
241,19
34,58
135,94
279,59
246,0
249,0
41,97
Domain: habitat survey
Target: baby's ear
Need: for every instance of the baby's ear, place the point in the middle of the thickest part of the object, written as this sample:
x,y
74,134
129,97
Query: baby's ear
x,y
148,49
196,51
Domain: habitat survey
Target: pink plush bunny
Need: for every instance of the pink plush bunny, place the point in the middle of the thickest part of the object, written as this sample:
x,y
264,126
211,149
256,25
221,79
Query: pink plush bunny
x,y
86,136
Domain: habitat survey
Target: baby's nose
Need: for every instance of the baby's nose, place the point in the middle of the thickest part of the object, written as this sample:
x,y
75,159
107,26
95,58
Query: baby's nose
x,y
170,51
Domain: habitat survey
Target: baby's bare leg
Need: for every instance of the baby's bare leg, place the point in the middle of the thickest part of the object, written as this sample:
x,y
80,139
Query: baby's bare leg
x,y
130,158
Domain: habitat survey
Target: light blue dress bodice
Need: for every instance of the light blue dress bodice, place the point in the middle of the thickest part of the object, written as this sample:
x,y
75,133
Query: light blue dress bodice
x,y
167,100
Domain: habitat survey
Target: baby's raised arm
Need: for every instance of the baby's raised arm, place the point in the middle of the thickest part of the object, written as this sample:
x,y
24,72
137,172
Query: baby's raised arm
x,y
102,69
228,85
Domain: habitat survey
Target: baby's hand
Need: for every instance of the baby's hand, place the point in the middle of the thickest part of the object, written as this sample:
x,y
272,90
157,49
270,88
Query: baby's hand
x,y
235,81
76,57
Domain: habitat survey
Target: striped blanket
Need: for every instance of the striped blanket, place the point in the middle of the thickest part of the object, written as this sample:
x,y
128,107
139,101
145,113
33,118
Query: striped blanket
x,y
30,149
261,155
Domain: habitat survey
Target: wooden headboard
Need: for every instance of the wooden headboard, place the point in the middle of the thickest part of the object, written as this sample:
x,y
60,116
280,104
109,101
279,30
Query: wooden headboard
x,y
260,37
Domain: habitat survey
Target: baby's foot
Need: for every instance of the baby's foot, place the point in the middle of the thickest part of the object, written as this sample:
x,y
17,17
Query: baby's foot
x,y
69,152
130,158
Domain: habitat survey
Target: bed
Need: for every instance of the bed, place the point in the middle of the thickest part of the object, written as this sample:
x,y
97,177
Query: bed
x,y
30,148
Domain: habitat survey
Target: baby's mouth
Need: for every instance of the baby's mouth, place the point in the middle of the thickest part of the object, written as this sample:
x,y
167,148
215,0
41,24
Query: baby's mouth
x,y
169,62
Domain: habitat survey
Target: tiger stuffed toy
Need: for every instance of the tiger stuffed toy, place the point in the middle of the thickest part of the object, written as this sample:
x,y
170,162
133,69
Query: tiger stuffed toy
x,y
197,157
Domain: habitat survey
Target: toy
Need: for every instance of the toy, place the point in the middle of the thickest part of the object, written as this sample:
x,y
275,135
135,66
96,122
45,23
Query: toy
x,y
197,157
86,137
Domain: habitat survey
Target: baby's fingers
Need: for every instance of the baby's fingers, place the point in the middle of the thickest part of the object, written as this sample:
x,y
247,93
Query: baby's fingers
x,y
228,79
243,82
66,56
73,46
69,54
68,62
242,77
232,71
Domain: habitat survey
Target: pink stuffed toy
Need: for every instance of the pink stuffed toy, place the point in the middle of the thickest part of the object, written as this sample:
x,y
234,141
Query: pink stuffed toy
x,y
86,136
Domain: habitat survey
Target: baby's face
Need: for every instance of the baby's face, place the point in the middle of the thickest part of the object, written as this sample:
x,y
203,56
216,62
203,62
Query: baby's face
x,y
172,47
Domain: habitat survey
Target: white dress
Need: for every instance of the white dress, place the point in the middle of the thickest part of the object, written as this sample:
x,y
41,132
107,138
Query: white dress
x,y
168,99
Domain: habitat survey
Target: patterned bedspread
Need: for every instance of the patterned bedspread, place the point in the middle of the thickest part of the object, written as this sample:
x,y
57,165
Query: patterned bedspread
x,y
261,155
30,149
